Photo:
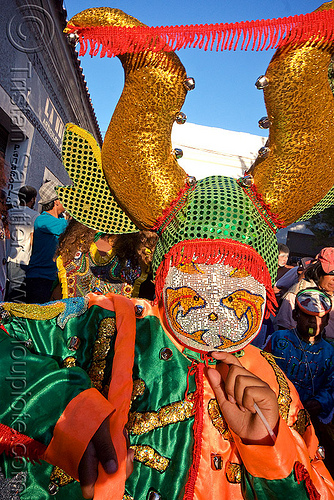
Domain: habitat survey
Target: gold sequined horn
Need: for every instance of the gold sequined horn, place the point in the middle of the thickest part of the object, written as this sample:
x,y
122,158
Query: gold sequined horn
x,y
296,169
137,156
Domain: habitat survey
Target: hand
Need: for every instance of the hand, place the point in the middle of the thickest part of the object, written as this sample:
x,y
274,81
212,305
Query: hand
x,y
100,449
237,390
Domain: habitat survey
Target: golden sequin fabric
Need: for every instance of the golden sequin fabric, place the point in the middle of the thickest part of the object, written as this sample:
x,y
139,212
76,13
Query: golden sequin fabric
x,y
233,472
137,149
106,331
218,420
69,362
59,477
299,170
34,311
150,457
141,423
302,422
284,398
138,389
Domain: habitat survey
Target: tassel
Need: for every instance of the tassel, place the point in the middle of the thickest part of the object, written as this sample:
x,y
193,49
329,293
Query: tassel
x,y
302,474
264,34
13,443
198,430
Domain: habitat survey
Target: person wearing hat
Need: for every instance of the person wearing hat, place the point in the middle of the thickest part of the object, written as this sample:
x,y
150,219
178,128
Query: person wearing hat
x,y
208,415
303,354
319,273
42,269
21,226
308,361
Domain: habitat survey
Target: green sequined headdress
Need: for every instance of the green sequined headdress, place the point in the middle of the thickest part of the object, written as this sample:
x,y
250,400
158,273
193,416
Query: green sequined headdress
x,y
217,219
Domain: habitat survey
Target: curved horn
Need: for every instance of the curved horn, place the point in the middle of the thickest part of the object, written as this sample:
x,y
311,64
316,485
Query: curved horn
x,y
137,156
299,169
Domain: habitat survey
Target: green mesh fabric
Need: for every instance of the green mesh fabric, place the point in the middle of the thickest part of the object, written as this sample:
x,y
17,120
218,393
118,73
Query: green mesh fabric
x,y
326,202
89,200
216,209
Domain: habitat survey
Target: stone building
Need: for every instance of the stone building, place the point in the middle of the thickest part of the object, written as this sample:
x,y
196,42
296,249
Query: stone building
x,y
41,89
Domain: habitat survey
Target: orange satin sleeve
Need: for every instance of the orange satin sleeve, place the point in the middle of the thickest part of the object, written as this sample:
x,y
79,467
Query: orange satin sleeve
x,y
120,390
75,428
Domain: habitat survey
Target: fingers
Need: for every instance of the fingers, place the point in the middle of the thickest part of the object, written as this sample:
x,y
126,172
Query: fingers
x,y
88,471
104,447
226,357
99,449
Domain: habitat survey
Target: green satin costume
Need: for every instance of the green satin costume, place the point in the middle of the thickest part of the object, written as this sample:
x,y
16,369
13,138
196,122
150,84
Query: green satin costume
x,y
47,362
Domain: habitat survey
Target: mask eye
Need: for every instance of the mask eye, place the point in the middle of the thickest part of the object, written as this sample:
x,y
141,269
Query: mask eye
x,y
239,273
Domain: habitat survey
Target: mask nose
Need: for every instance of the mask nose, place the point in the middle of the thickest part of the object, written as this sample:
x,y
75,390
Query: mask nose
x,y
213,317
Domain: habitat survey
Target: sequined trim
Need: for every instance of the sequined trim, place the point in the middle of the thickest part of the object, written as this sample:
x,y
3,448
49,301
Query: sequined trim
x,y
148,456
106,331
69,362
59,477
302,422
139,387
73,309
128,497
141,423
34,311
218,420
284,398
233,472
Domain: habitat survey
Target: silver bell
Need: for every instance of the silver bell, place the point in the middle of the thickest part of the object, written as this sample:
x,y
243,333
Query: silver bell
x,y
53,489
181,118
191,181
189,83
247,180
72,39
264,152
261,82
264,122
321,452
153,495
178,153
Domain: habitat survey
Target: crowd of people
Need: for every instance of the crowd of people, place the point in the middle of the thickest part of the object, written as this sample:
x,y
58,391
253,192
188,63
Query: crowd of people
x,y
49,256
167,398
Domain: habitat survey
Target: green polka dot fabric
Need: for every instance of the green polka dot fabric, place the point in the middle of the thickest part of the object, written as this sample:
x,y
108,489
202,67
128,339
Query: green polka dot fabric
x,y
326,202
89,200
218,208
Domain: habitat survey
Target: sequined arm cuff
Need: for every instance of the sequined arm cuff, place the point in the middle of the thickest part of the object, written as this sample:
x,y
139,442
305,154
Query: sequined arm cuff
x,y
270,462
75,428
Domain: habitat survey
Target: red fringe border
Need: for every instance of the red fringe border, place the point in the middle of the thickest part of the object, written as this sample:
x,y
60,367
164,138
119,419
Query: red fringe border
x,y
13,443
302,474
171,210
257,35
225,251
272,219
198,430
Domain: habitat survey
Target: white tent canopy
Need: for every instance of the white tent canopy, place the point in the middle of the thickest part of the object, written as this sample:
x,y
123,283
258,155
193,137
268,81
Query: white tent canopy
x,y
214,151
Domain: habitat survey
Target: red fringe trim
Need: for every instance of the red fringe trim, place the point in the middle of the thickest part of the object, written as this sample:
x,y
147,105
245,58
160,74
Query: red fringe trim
x,y
198,430
261,34
4,329
302,475
169,212
225,251
272,219
13,443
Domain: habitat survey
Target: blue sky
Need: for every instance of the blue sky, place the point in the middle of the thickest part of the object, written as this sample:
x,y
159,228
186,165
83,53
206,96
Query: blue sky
x,y
225,95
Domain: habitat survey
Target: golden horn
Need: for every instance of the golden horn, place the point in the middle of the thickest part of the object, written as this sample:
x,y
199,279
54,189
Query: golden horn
x,y
299,168
137,156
